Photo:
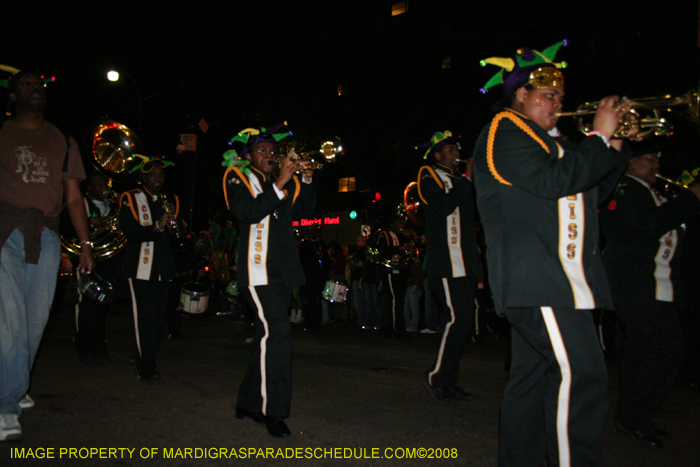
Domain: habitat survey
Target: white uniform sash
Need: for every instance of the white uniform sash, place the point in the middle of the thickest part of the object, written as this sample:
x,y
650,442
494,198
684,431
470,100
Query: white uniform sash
x,y
571,234
258,238
667,248
146,255
453,233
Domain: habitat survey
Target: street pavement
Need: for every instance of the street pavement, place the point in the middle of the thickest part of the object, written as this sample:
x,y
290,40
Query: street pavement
x,y
358,400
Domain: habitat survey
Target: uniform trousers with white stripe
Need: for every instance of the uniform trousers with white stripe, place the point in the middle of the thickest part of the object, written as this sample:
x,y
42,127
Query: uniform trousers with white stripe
x,y
267,386
652,352
149,300
556,399
394,290
91,315
456,295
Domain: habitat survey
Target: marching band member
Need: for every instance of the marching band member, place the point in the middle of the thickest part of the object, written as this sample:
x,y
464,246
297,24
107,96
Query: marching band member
x,y
643,232
268,265
538,198
149,228
394,277
453,262
91,315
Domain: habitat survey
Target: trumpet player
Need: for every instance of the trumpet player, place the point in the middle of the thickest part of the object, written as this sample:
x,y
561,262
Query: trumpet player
x,y
149,264
453,262
268,265
91,315
537,196
641,256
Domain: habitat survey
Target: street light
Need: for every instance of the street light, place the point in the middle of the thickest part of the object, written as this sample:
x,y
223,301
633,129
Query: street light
x,y
113,76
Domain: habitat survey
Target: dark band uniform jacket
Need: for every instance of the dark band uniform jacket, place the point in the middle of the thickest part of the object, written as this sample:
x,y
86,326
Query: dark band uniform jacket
x,y
268,250
643,239
450,235
543,196
148,252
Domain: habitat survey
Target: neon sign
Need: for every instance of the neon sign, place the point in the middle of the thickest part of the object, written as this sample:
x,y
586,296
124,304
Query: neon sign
x,y
318,220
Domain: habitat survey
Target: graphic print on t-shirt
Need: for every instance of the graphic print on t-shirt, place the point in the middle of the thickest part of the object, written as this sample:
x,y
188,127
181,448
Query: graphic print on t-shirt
x,y
31,166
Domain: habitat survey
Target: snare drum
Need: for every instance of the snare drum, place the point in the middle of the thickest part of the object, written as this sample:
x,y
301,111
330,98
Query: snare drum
x,y
335,291
194,297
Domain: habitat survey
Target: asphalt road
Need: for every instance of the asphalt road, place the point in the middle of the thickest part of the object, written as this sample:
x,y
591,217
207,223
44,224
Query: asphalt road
x,y
358,400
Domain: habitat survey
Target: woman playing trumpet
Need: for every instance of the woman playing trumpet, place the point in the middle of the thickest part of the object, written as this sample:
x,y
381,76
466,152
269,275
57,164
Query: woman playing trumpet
x,y
538,194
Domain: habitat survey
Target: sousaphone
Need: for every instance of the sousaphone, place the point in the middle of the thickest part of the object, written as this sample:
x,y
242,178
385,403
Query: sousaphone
x,y
115,149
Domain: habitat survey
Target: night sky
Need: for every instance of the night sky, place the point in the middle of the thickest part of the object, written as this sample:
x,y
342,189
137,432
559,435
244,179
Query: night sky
x,y
239,64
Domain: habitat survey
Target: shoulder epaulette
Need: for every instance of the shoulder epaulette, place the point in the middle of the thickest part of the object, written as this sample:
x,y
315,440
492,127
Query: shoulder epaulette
x,y
427,172
241,179
177,205
297,188
128,198
520,123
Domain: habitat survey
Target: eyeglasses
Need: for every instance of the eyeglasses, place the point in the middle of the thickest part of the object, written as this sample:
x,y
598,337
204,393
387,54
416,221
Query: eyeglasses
x,y
267,152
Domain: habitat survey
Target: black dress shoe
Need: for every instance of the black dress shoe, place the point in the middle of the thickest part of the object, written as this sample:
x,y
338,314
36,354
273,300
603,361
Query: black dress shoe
x,y
459,394
151,378
440,395
276,427
647,439
257,417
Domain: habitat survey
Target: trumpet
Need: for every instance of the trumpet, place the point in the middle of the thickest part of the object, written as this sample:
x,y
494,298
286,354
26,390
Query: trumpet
x,y
651,124
307,162
668,181
170,209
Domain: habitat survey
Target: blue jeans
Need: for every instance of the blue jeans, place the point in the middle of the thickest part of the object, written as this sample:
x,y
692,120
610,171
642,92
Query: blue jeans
x,y
26,293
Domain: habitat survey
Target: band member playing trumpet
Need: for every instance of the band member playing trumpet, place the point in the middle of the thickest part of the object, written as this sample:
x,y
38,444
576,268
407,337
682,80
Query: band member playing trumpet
x,y
537,196
392,245
644,231
91,315
268,265
149,263
453,262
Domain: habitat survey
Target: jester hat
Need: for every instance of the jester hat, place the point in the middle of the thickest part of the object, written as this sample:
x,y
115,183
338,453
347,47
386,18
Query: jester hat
x,y
437,142
148,163
250,137
527,65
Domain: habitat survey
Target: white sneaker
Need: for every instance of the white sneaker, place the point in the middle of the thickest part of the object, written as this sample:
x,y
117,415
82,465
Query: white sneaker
x,y
9,427
26,402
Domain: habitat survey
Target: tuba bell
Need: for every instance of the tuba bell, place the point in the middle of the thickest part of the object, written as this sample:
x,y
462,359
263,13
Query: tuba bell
x,y
115,150
403,258
413,205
